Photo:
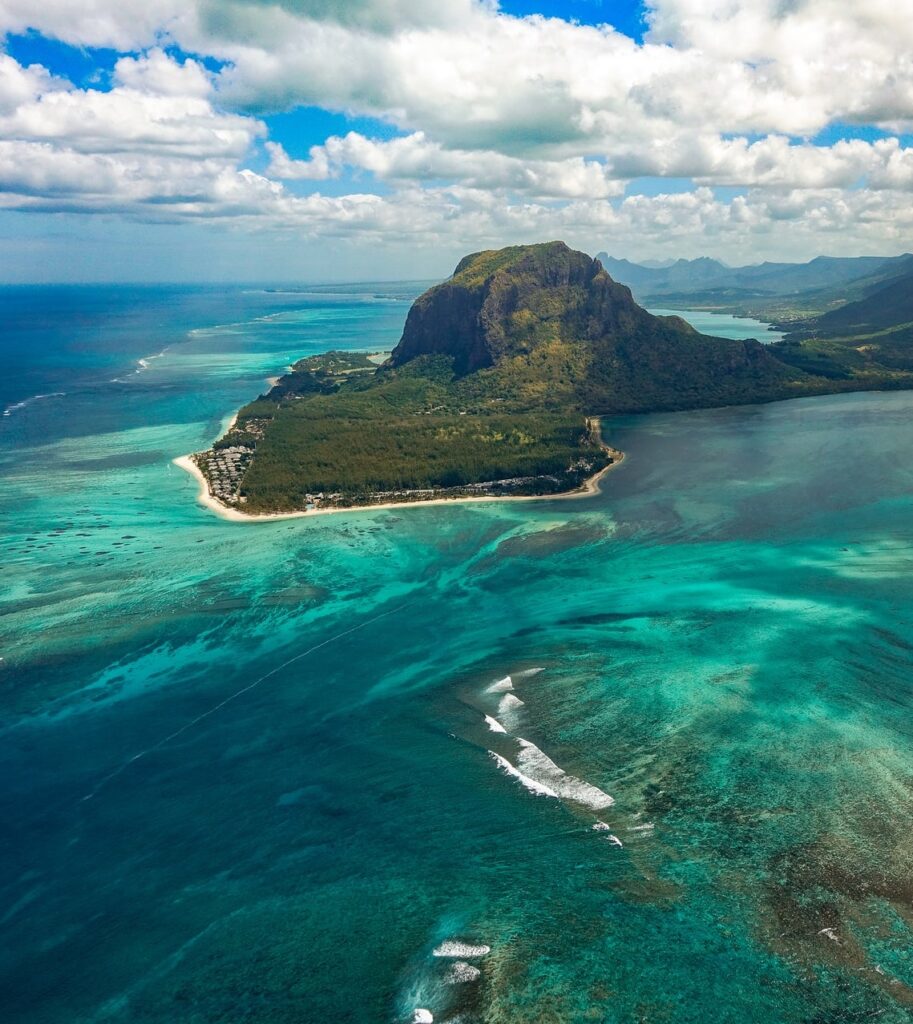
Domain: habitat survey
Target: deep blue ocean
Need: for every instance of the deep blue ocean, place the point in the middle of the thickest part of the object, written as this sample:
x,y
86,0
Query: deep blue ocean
x,y
645,757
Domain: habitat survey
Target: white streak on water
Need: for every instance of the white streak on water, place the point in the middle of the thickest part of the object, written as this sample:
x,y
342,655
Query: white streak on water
x,y
601,826
421,1016
494,724
141,364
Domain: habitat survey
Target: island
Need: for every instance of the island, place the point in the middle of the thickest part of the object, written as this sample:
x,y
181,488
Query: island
x,y
496,391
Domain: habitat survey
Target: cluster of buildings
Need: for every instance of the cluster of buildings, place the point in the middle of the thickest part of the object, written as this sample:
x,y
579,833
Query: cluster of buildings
x,y
224,469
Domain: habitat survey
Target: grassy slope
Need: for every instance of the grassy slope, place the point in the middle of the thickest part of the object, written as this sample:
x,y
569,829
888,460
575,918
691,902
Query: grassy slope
x,y
866,342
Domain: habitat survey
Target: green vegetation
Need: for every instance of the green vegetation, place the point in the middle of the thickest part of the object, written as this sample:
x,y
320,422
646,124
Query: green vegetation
x,y
490,388
338,438
865,342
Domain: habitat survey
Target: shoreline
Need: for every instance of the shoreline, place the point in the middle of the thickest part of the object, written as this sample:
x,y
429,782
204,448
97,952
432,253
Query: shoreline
x,y
587,489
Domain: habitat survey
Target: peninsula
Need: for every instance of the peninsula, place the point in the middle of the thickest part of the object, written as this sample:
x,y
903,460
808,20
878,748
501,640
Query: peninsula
x,y
495,391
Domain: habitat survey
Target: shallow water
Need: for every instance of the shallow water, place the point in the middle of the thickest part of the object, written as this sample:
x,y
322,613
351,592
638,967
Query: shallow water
x,y
723,325
247,770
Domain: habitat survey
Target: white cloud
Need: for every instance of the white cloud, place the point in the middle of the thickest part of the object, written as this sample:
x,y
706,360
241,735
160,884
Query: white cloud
x,y
772,162
122,24
19,85
537,86
509,129
415,158
148,113
157,73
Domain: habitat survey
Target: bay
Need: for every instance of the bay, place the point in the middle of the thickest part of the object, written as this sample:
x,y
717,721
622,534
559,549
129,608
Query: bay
x,y
724,325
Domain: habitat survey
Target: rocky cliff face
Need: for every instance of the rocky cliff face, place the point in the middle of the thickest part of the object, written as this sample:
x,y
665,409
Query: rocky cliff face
x,y
548,310
497,304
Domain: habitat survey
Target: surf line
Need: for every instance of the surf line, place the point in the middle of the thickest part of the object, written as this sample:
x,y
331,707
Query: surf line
x,y
231,697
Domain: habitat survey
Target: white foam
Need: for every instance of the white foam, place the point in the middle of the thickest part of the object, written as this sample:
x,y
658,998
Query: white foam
x,y
642,828
501,685
141,365
530,672
461,950
528,783
16,406
461,972
509,701
601,826
421,1016
508,706
494,724
533,763
614,840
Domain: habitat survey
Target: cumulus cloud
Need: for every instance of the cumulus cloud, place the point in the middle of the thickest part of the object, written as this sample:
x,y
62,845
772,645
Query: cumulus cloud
x,y
159,106
505,128
121,24
416,158
157,73
534,85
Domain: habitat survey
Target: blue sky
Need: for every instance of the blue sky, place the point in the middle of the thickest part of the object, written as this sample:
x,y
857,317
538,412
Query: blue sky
x,y
248,139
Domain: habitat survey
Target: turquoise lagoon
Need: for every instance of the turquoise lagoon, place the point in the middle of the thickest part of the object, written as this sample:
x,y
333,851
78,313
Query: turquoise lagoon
x,y
724,325
247,770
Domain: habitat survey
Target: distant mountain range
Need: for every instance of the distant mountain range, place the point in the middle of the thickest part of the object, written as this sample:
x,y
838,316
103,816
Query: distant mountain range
x,y
707,279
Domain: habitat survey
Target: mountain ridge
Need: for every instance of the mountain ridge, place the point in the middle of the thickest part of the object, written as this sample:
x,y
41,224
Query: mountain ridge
x,y
768,279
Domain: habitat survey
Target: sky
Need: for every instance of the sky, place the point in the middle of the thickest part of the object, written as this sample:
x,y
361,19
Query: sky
x,y
320,140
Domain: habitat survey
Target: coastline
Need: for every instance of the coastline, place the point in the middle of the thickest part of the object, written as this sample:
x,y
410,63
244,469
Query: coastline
x,y
587,489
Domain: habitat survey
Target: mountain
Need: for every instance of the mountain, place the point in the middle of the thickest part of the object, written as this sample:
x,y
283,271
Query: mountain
x,y
869,334
705,280
885,305
679,275
547,316
495,384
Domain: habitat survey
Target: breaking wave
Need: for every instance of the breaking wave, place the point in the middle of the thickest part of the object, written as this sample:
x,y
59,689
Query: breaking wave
x,y
141,365
539,766
508,706
461,950
16,406
531,784
461,972
501,686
